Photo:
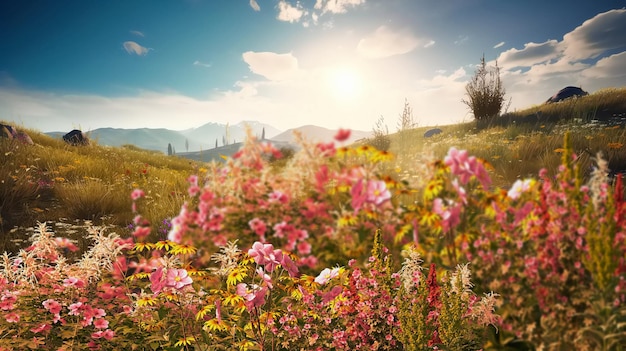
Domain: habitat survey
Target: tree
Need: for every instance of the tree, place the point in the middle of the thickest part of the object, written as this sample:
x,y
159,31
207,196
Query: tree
x,y
263,134
485,93
187,145
169,149
216,143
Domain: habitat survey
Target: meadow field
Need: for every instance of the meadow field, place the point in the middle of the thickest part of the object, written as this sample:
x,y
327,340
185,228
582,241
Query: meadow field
x,y
504,236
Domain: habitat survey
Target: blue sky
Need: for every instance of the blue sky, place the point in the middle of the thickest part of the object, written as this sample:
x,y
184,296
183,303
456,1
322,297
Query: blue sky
x,y
179,64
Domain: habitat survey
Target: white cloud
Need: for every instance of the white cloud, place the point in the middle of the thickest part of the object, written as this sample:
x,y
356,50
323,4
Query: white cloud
x,y
429,44
137,33
605,31
271,65
255,6
385,42
613,66
199,63
289,13
336,6
462,39
133,48
531,54
500,44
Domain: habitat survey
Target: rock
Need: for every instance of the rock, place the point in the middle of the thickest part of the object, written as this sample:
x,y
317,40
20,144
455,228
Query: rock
x,y
566,93
432,132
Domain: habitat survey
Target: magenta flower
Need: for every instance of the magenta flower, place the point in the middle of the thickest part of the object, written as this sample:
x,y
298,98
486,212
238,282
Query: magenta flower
x,y
377,192
137,194
177,278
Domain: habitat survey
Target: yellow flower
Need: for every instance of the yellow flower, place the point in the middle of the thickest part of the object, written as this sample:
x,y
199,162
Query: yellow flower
x,y
183,250
232,300
164,244
615,145
433,189
235,276
346,220
206,309
185,341
559,150
146,300
215,325
139,247
140,275
382,156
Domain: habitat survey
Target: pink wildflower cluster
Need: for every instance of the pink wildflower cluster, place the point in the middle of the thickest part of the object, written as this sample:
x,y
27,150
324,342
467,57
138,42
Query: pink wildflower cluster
x,y
466,167
169,278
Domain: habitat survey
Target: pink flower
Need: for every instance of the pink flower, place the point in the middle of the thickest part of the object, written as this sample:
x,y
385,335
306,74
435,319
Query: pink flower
x,y
264,254
258,226
342,135
75,308
177,278
253,295
358,195
65,243
377,192
12,317
156,280
326,275
290,266
465,167
106,334
141,232
137,194
75,282
101,323
52,306
450,215
41,328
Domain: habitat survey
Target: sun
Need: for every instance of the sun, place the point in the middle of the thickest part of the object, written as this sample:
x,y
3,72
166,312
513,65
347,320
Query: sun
x,y
346,83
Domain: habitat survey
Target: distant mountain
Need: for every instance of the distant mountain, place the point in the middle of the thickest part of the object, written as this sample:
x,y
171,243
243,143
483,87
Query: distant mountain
x,y
203,140
206,136
318,134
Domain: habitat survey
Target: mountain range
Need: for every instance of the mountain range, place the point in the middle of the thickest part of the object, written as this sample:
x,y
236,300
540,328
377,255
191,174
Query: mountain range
x,y
224,138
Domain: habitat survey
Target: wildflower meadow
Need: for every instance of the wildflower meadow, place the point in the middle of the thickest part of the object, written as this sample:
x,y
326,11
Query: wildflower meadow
x,y
334,250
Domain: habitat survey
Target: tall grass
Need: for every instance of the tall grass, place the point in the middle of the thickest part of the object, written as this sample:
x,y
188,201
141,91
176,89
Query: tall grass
x,y
52,180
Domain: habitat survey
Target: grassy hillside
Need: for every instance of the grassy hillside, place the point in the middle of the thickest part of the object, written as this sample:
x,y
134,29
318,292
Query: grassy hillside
x,y
52,181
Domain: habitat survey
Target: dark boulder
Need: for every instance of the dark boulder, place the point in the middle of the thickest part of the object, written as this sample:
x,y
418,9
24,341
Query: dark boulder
x,y
6,131
432,132
76,137
567,93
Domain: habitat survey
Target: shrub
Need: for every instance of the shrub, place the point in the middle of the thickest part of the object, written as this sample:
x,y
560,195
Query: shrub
x,y
485,93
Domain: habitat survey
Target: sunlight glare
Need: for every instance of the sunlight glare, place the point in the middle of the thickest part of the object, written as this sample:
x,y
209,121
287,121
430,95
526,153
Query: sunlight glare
x,y
346,83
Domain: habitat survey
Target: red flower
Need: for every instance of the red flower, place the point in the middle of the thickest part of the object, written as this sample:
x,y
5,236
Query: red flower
x,y
342,135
